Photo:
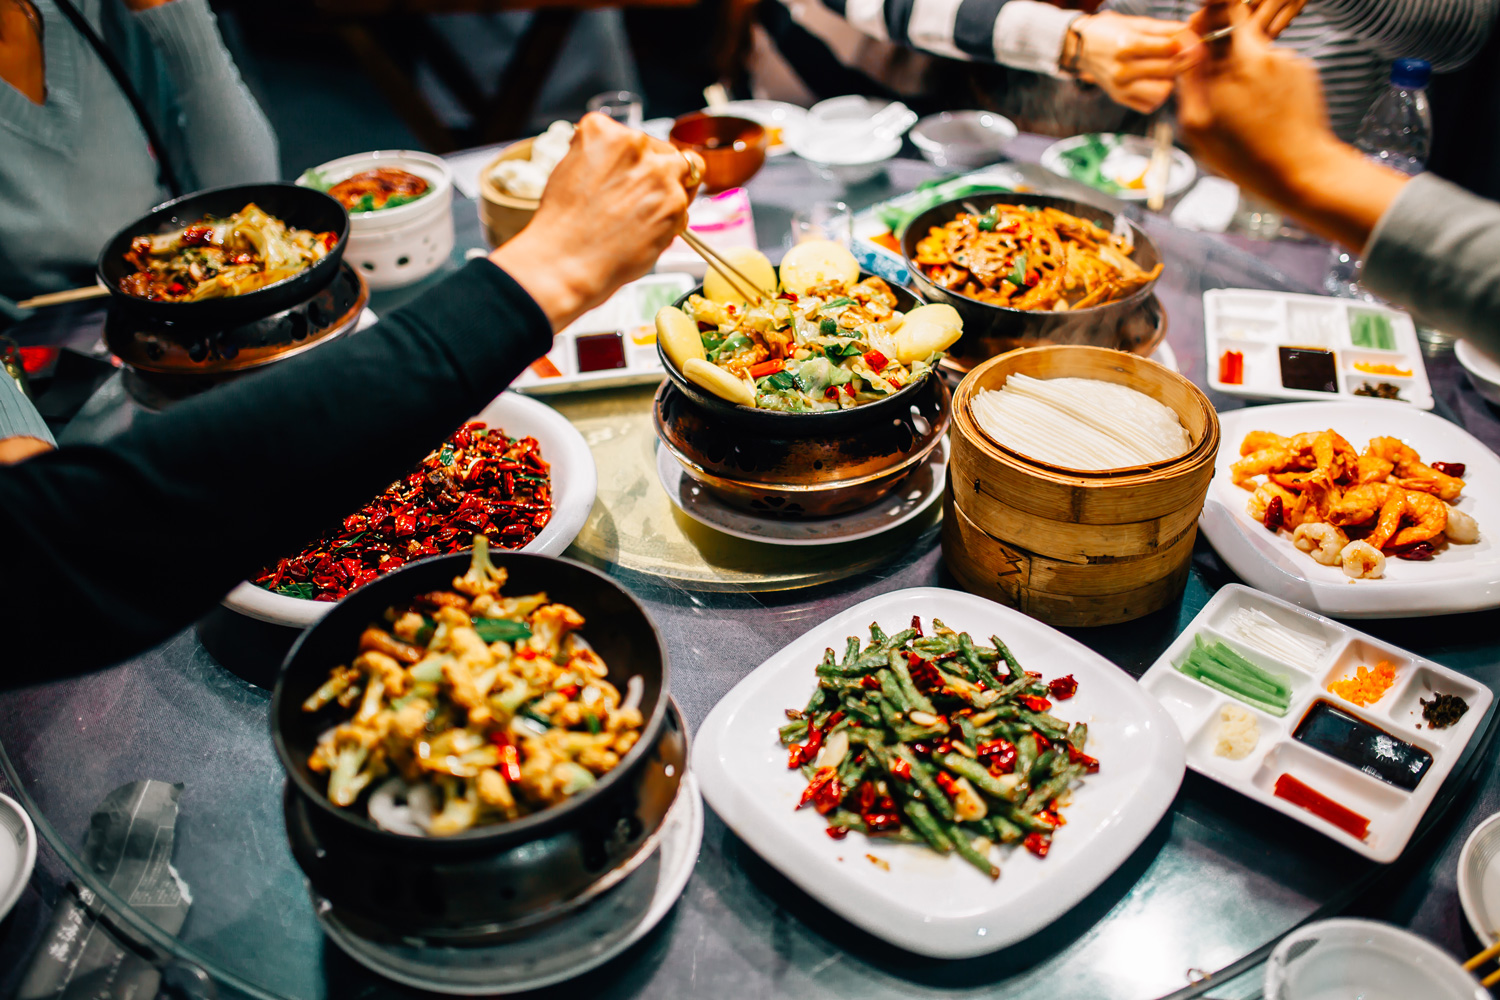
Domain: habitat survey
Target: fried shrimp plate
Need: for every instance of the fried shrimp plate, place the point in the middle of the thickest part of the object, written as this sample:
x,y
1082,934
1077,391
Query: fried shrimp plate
x,y
471,708
1352,508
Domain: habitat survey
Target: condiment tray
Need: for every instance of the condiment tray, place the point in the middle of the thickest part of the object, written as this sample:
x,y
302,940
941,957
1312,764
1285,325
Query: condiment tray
x,y
906,894
1343,340
1457,578
1392,811
611,345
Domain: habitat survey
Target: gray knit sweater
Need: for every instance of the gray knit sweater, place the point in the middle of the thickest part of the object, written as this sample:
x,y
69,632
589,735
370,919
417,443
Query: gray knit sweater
x,y
77,168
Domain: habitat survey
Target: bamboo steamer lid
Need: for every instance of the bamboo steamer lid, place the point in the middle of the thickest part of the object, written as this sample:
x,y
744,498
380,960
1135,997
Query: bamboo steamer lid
x,y
1075,547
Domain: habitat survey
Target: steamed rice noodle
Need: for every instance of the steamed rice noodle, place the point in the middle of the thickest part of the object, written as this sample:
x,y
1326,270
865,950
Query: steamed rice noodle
x,y
1080,423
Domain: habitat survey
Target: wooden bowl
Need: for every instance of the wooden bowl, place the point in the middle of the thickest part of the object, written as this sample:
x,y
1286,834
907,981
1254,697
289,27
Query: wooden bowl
x,y
1067,546
504,215
733,149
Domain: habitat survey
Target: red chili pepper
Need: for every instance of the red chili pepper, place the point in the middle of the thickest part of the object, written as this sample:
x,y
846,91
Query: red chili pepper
x,y
837,832
828,796
880,822
1275,514
1418,552
788,296
1454,469
832,392
998,755
848,389
794,756
1034,703
946,782
1038,844
1232,368
765,368
510,760
901,769
916,623
824,777
1063,688
876,361
1077,756
1042,742
196,236
867,795
869,682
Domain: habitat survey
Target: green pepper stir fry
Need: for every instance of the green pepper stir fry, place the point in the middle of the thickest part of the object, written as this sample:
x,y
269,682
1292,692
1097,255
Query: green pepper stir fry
x,y
936,740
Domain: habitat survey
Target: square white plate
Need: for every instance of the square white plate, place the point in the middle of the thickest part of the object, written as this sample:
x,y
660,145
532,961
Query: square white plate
x,y
1393,812
1458,578
929,903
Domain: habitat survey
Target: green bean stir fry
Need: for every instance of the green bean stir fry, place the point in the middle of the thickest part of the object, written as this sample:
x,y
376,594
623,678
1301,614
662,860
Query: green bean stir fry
x,y
934,739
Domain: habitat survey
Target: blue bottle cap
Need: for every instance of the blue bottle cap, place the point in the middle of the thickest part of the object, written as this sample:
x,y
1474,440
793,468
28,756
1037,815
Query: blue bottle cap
x,y
1411,73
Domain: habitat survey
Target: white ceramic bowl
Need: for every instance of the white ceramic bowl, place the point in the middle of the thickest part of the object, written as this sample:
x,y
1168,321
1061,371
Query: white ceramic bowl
x,y
1483,370
1365,959
17,852
396,247
1479,880
846,163
963,140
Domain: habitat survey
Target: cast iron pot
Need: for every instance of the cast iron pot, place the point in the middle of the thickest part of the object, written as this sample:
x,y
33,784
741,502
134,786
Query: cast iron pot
x,y
990,330
298,207
500,877
801,465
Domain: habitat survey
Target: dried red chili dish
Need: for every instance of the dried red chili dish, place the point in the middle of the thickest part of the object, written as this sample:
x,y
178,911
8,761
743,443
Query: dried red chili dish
x,y
479,480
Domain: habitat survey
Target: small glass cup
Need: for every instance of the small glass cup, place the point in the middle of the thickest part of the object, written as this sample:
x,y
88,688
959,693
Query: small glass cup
x,y
1256,218
623,106
823,220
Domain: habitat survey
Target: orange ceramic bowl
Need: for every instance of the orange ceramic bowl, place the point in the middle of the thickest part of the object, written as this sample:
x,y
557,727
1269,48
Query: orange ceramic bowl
x,y
733,149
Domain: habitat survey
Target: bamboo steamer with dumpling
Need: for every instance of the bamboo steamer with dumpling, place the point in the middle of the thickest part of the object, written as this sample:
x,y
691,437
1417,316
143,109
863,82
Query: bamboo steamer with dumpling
x,y
1076,547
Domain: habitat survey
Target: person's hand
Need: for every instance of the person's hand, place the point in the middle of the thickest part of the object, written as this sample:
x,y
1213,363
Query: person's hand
x,y
1131,58
610,208
17,449
1281,14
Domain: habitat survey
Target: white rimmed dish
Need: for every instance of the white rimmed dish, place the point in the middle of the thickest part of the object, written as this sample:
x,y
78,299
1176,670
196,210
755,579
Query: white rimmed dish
x,y
17,852
575,482
399,246
1479,880
963,140
927,903
787,118
1257,323
915,495
1127,160
1459,578
1345,957
1393,812
1483,370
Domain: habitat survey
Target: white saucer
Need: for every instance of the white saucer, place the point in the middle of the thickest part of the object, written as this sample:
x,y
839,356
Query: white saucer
x,y
559,951
1479,880
17,852
915,495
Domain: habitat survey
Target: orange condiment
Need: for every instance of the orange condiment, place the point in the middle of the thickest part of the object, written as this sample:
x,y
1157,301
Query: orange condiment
x,y
1373,368
1366,686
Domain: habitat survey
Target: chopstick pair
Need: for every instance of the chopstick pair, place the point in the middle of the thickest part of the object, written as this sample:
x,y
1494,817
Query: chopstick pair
x,y
1487,955
60,298
737,280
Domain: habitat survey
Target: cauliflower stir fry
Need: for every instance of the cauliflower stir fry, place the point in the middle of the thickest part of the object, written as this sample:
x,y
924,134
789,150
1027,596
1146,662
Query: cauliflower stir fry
x,y
472,708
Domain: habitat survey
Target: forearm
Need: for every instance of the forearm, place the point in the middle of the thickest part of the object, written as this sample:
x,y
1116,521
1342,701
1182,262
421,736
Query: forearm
x,y
1446,33
228,137
109,549
1335,191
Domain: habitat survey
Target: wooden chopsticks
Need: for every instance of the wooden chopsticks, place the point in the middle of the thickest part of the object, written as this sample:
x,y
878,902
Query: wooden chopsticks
x,y
1159,172
1484,956
59,298
737,280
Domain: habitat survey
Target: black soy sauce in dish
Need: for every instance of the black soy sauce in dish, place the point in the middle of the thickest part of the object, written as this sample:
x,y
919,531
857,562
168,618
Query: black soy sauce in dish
x,y
1308,368
1359,744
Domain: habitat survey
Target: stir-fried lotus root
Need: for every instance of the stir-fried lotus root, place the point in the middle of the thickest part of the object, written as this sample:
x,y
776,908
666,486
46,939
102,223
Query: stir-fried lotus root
x,y
1352,509
472,708
1031,258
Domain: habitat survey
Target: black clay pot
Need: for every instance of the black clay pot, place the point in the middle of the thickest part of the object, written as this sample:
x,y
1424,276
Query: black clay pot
x,y
501,877
990,330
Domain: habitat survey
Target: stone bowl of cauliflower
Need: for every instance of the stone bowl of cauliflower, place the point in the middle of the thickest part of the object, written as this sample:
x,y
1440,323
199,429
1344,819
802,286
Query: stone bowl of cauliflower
x,y
475,744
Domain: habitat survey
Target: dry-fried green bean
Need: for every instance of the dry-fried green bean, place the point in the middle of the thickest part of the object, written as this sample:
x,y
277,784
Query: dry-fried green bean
x,y
923,776
966,850
977,774
1010,660
927,826
915,700
1049,790
793,731
1005,831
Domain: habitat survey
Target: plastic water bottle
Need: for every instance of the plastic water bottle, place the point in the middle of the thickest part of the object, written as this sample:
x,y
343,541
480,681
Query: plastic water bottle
x,y
1396,131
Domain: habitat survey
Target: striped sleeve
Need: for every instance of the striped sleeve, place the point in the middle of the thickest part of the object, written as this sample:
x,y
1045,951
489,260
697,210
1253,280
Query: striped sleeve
x,y
18,418
1022,34
1446,33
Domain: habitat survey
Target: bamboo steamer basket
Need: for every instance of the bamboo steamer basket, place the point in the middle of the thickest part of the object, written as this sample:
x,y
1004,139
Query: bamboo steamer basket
x,y
1072,547
504,215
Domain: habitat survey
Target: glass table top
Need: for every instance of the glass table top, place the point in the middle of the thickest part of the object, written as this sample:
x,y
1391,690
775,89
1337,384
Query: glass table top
x,y
1219,877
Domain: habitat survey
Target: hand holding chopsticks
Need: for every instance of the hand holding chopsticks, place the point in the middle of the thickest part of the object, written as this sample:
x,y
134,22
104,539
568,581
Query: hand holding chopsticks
x,y
1484,956
746,288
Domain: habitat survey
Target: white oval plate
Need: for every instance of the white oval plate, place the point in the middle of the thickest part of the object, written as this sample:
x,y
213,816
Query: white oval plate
x,y
17,852
1128,160
928,903
775,114
575,481
1479,880
559,951
900,506
1459,578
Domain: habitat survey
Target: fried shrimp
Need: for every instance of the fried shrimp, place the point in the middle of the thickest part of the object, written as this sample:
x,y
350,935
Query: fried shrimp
x,y
1429,516
1392,512
1263,497
1263,462
1360,505
1334,455
1373,469
1362,561
1323,542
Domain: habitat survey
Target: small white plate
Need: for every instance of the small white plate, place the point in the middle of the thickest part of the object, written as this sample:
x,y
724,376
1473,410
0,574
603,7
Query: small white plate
x,y
1258,323
1126,160
575,482
915,495
1368,959
17,852
1479,880
1483,370
1393,812
1459,578
772,114
928,903
559,951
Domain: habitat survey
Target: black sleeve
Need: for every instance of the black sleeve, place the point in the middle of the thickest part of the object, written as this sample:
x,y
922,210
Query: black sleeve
x,y
106,550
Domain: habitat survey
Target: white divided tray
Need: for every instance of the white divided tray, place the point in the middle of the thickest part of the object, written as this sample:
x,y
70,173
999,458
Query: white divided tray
x,y
1393,812
1259,323
621,334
